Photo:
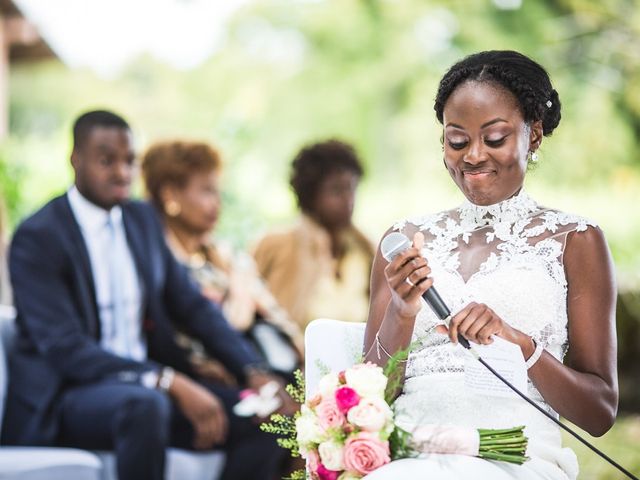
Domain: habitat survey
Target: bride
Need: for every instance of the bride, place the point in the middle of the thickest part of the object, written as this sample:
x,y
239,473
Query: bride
x,y
508,267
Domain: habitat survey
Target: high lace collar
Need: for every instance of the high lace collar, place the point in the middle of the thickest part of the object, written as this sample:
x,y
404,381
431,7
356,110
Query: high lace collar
x,y
508,211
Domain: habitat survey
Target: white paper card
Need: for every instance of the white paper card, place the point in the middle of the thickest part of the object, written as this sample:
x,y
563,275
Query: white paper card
x,y
506,358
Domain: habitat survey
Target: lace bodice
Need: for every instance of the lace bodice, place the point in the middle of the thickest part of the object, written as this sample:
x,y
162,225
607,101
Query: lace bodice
x,y
509,256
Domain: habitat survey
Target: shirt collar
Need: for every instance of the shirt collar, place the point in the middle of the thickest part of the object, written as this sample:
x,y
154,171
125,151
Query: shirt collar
x,y
89,216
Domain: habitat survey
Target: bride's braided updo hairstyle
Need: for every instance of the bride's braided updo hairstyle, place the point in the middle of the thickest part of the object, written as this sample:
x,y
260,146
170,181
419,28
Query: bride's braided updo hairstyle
x,y
524,78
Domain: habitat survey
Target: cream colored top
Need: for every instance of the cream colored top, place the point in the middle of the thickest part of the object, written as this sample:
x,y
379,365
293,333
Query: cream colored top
x,y
308,281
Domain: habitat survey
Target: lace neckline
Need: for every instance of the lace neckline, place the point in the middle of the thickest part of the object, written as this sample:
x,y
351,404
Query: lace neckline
x,y
509,211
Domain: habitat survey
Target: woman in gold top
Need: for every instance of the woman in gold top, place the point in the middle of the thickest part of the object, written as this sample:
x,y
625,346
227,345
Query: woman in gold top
x,y
320,267
182,182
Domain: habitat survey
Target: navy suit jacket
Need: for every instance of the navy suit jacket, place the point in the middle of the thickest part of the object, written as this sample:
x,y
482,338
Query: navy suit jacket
x,y
58,340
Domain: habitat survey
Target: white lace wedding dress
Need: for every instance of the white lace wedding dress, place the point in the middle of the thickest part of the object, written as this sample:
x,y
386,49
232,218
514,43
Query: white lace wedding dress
x,y
510,257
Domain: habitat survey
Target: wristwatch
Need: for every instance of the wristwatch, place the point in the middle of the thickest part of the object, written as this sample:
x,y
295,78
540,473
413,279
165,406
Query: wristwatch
x,y
165,381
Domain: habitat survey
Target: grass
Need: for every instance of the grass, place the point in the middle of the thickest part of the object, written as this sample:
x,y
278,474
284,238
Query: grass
x,y
621,443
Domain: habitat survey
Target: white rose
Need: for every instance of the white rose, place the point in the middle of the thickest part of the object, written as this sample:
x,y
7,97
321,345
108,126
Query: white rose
x,y
367,380
332,455
308,430
328,384
371,414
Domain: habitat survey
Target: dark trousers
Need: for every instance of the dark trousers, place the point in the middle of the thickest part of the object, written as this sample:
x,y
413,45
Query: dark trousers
x,y
140,423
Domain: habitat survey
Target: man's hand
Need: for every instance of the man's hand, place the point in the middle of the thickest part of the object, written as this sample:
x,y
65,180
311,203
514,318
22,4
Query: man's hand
x,y
203,409
258,377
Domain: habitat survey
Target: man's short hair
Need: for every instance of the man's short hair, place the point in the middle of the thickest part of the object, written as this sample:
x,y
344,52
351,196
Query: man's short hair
x,y
95,118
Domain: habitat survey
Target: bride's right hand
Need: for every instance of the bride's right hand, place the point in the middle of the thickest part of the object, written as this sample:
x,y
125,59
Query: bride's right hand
x,y
408,278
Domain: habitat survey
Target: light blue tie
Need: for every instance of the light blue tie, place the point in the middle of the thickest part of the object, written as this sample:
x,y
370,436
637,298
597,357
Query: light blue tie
x,y
115,257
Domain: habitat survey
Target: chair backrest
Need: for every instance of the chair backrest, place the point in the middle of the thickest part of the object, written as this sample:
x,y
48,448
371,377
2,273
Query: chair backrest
x,y
7,332
330,345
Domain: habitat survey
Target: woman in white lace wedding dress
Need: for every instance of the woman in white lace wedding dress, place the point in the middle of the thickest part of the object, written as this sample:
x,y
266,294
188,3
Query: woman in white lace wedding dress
x,y
507,267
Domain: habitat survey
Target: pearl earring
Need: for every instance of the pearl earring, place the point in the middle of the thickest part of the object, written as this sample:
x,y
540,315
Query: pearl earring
x,y
533,157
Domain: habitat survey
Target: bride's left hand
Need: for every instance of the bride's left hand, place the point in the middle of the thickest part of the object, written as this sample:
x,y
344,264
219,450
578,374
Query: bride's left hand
x,y
478,323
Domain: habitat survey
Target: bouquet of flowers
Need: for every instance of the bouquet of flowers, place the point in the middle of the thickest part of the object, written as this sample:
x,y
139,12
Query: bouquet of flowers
x,y
347,429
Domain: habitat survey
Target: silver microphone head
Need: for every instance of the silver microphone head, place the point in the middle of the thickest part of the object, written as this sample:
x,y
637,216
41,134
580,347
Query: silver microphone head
x,y
393,244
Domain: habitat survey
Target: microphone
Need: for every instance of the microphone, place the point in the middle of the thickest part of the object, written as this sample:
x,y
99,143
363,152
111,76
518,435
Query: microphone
x,y
396,243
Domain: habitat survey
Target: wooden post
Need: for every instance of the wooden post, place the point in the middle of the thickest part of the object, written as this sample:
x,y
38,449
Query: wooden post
x,y
19,41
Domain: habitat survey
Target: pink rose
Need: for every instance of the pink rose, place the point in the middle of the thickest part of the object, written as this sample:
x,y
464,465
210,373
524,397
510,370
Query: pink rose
x,y
324,474
329,414
365,452
346,398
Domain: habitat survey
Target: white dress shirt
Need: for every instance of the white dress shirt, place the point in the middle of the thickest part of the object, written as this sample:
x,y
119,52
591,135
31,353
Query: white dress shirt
x,y
121,336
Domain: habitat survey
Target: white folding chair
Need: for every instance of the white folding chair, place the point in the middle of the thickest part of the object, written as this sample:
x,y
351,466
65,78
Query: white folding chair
x,y
330,345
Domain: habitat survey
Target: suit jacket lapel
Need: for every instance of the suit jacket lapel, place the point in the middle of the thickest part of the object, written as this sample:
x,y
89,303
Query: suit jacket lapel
x,y
71,226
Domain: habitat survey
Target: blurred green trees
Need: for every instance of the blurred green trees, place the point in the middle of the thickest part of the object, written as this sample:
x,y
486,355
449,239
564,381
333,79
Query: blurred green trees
x,y
291,72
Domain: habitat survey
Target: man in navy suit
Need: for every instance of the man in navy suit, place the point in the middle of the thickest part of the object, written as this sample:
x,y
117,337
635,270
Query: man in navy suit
x,y
97,294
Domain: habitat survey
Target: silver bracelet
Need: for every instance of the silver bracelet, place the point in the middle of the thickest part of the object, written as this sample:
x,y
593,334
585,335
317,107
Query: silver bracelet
x,y
379,347
535,356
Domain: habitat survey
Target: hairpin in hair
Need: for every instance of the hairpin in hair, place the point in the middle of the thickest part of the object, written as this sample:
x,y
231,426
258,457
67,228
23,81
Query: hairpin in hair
x,y
548,104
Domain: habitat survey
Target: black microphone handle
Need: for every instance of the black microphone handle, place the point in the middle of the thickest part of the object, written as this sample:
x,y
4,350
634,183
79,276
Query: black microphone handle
x,y
434,300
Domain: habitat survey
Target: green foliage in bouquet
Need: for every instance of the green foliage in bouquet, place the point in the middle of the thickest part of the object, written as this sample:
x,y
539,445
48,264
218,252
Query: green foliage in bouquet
x,y
285,426
395,373
400,444
400,439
